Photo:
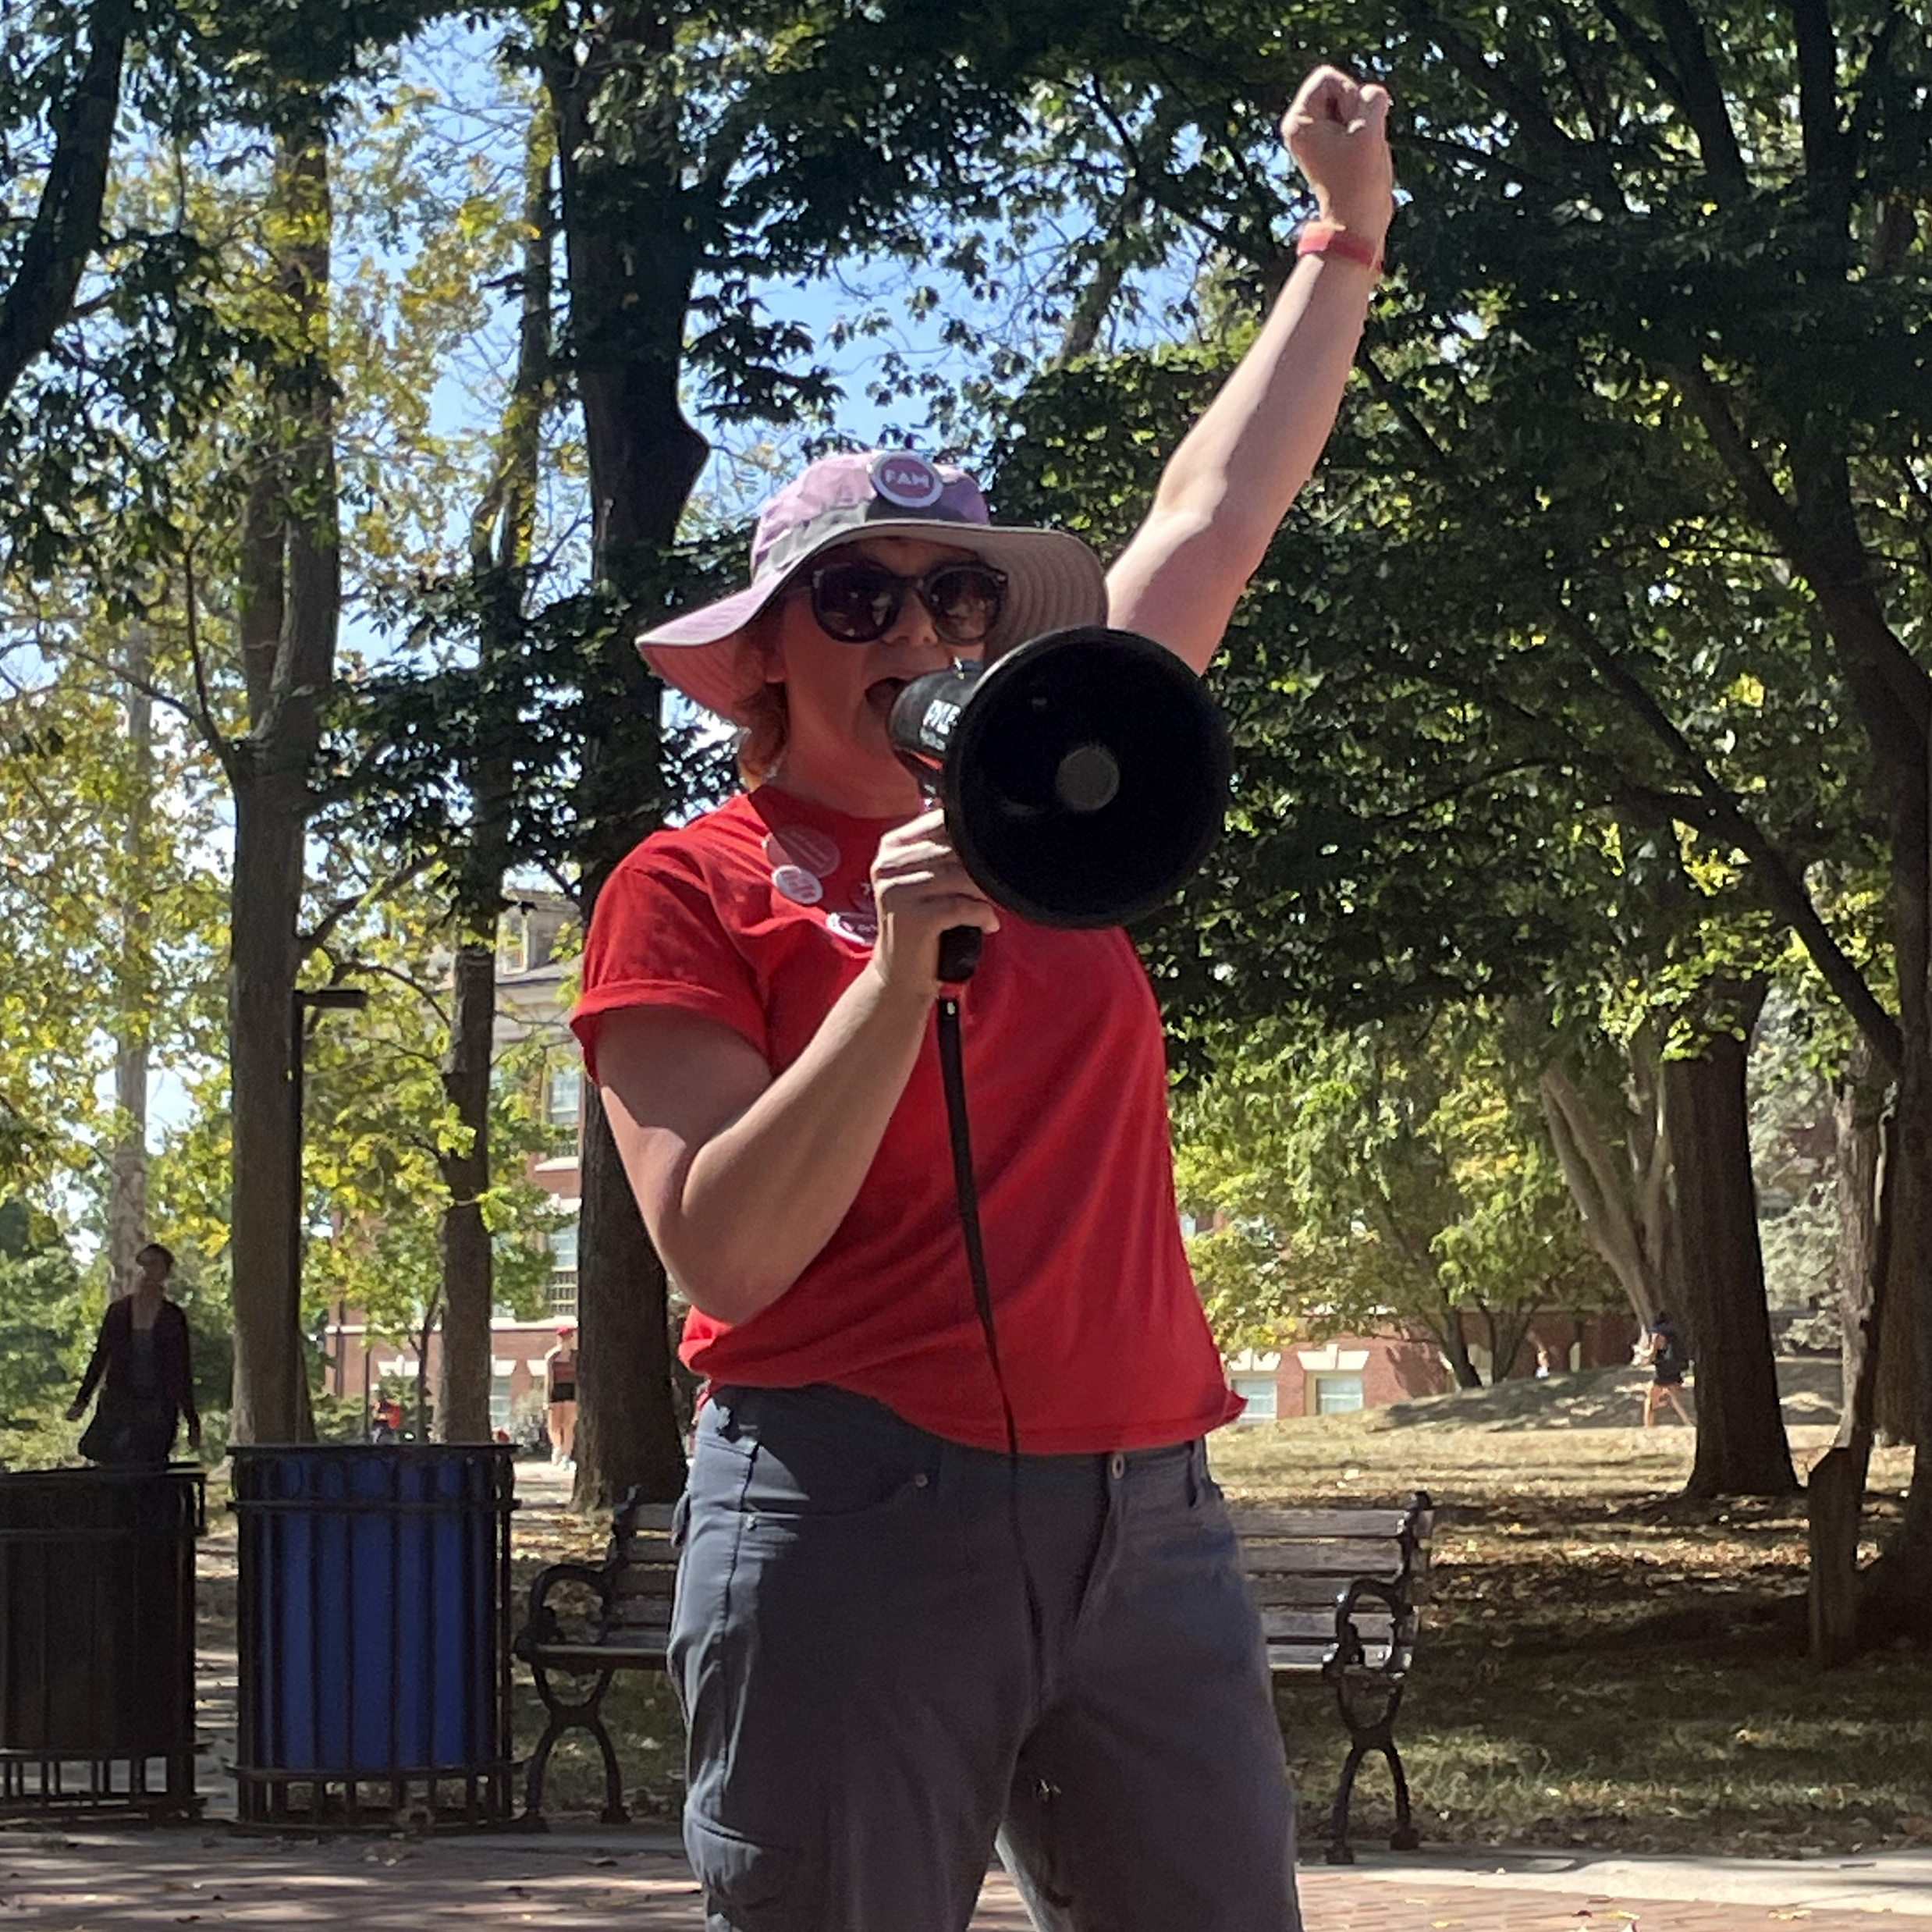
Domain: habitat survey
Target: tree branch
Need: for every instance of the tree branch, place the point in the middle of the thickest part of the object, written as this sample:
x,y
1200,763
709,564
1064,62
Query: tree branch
x,y
1782,886
66,227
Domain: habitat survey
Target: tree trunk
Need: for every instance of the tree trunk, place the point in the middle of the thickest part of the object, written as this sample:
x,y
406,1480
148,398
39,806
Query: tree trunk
x,y
1898,1594
1624,1205
622,1442
631,253
65,231
1455,1348
1742,1449
463,1404
1858,1106
1835,1498
264,899
500,558
290,605
134,989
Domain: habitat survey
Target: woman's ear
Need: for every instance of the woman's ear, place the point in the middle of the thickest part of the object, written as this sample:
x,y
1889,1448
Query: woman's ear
x,y
765,645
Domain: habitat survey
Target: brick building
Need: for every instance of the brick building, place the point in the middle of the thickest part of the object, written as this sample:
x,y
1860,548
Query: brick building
x,y
1354,1372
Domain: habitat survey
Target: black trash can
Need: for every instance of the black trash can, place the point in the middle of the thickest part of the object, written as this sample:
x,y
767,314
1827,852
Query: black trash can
x,y
372,1629
96,1641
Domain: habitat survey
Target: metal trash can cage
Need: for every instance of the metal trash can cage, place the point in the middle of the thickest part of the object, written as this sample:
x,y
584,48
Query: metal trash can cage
x,y
96,1641
372,1625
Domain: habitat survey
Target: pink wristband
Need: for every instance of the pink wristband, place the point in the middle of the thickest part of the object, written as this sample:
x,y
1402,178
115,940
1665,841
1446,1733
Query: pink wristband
x,y
1331,238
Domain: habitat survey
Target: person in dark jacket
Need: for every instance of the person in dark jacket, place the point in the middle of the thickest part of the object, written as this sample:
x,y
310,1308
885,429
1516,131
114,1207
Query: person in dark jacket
x,y
140,1365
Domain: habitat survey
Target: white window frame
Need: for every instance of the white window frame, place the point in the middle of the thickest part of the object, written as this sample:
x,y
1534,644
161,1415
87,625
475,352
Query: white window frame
x,y
1320,1381
1262,1393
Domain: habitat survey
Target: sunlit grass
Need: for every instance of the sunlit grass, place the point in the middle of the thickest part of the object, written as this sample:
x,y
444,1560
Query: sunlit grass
x,y
1604,1663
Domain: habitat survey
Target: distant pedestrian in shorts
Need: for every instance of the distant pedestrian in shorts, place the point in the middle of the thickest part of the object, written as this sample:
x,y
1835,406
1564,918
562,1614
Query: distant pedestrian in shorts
x,y
1664,1353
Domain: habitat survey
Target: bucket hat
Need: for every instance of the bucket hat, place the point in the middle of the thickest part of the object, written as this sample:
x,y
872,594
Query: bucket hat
x,y
1054,580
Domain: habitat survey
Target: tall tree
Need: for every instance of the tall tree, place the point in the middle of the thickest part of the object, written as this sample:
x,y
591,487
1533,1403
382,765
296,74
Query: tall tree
x,y
291,604
134,987
632,256
501,536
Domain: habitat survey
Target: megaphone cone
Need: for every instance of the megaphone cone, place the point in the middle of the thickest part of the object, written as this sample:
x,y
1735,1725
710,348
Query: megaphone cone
x,y
1084,774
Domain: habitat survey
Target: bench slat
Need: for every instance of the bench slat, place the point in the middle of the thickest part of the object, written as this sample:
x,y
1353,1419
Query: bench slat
x,y
1377,1558
645,1579
651,1516
1259,1520
1306,1660
1287,1592
1304,1587
651,1550
636,1647
1315,1625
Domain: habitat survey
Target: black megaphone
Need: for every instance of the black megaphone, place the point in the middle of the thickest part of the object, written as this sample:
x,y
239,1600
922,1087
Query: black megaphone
x,y
1083,775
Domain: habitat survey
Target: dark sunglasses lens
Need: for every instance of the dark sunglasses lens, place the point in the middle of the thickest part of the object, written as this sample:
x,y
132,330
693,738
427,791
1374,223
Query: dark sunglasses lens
x,y
964,600
856,602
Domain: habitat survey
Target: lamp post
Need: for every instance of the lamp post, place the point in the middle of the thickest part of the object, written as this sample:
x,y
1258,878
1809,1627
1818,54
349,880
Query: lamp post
x,y
301,999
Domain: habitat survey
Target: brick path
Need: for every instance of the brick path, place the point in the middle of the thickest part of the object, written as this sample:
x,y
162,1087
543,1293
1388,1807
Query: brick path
x,y
108,1882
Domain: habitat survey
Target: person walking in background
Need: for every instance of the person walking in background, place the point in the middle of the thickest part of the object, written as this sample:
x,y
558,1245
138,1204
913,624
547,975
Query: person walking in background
x,y
140,1365
1664,1354
559,1380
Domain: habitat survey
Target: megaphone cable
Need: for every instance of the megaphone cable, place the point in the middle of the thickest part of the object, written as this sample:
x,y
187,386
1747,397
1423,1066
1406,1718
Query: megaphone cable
x,y
952,1078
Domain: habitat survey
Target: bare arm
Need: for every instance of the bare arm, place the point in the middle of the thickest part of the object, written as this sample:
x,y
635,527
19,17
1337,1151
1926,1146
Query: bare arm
x,y
741,1177
1226,489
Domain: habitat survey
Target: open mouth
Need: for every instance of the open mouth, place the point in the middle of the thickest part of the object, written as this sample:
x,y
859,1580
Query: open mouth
x,y
884,694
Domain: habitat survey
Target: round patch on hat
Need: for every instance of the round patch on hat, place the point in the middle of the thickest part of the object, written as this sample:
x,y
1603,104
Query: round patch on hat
x,y
904,478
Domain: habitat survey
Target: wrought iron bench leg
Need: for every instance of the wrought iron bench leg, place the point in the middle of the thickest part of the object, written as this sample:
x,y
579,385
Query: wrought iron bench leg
x,y
557,1725
1339,1851
564,1718
613,1812
1367,1734
1405,1838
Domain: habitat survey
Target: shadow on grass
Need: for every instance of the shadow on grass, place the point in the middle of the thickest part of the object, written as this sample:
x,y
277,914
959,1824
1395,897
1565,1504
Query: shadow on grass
x,y
1602,1398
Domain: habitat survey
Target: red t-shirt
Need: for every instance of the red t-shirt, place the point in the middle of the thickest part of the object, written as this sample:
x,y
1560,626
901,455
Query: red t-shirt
x,y
758,916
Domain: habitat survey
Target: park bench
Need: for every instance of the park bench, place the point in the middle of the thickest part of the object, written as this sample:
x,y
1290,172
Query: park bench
x,y
619,1618
1339,1591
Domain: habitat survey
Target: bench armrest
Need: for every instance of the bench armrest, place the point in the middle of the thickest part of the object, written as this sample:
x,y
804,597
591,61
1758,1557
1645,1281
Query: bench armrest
x,y
1350,1652
542,1624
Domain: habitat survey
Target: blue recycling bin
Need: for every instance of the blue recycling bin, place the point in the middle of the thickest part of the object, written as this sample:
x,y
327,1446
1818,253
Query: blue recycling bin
x,y
372,1627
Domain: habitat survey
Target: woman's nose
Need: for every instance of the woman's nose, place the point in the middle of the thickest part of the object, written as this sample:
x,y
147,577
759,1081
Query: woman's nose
x,y
913,627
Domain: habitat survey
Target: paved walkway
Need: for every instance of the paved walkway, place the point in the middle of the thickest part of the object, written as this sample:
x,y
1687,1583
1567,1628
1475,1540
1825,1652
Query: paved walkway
x,y
572,1882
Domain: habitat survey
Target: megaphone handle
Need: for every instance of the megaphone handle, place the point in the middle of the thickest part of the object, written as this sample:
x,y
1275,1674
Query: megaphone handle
x,y
959,953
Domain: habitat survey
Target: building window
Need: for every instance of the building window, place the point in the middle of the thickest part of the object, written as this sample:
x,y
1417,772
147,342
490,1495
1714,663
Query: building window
x,y
501,1407
562,1243
563,1093
1333,1394
1259,1392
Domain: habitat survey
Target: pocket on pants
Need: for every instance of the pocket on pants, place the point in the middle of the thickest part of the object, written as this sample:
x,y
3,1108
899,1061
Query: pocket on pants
x,y
749,1887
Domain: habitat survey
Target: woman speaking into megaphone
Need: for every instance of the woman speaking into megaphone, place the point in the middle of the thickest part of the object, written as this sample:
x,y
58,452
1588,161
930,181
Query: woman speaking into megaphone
x,y
935,1592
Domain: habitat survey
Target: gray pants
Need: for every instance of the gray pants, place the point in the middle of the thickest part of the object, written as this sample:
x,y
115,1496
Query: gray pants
x,y
892,1652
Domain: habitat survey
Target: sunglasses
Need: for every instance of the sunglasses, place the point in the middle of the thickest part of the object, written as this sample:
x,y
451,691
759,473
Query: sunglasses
x,y
857,602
